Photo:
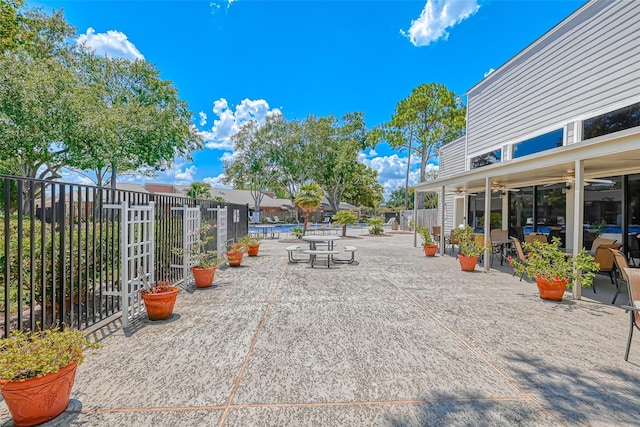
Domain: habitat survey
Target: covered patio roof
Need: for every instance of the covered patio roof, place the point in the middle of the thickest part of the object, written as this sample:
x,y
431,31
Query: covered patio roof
x,y
608,155
602,156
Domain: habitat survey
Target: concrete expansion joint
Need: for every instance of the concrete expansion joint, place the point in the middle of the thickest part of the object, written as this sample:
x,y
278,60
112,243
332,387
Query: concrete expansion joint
x,y
254,341
457,337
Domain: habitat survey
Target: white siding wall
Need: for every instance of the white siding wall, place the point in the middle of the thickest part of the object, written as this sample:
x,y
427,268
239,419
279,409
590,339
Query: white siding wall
x,y
452,158
587,63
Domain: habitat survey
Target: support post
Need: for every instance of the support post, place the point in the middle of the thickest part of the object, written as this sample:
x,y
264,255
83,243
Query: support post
x,y
487,221
578,218
442,206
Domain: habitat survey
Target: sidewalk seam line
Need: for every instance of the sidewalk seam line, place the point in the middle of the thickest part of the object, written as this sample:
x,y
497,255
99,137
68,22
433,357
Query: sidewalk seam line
x,y
254,341
510,380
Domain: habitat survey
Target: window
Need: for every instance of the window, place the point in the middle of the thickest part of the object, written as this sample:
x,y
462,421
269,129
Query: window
x,y
539,143
486,159
614,121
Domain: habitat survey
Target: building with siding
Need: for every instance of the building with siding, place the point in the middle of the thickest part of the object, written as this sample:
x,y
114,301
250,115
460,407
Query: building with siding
x,y
553,136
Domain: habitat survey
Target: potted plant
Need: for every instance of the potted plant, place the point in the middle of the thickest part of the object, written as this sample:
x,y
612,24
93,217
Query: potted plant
x,y
206,261
234,254
37,370
251,244
297,232
428,244
554,270
470,248
159,299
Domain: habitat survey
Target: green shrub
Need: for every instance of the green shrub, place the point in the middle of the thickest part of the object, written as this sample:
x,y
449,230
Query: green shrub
x,y
375,225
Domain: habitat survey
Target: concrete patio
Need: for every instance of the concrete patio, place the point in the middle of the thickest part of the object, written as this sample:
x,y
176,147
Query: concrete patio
x,y
395,339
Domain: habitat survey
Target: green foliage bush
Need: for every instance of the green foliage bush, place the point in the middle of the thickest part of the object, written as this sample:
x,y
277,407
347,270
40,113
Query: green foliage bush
x,y
375,225
33,354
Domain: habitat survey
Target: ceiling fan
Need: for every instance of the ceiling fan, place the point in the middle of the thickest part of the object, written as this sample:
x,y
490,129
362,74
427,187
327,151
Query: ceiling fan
x,y
460,192
496,186
570,177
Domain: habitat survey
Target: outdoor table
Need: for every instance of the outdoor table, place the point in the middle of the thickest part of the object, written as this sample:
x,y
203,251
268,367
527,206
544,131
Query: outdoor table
x,y
320,239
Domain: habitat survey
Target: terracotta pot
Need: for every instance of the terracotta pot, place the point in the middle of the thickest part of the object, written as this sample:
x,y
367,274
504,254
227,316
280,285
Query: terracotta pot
x,y
252,250
430,250
467,263
160,306
234,258
37,400
551,290
203,276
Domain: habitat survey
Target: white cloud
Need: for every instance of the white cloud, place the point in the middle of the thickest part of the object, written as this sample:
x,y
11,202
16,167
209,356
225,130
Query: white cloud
x,y
491,70
203,118
436,17
112,43
220,5
230,120
216,181
392,171
180,173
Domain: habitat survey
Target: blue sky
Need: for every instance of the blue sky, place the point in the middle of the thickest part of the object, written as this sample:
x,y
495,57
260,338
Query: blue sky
x,y
232,60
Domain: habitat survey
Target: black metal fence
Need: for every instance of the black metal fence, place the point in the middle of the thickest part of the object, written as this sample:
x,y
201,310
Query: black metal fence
x,y
60,248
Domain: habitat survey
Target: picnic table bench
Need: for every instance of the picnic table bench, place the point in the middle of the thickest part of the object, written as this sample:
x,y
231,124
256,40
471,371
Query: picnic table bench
x,y
313,253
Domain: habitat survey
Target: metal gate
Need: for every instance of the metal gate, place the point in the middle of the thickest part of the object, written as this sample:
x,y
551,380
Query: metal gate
x,y
137,257
191,223
221,224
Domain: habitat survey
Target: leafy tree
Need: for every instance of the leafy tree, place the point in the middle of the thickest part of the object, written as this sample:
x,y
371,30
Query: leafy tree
x,y
398,197
293,161
427,119
364,188
36,79
200,190
308,199
129,120
257,153
333,148
345,218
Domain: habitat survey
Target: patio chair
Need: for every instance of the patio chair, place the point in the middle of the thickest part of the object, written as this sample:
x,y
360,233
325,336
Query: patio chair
x,y
520,252
604,258
599,241
435,233
499,241
479,240
634,304
633,248
532,237
277,220
453,241
621,266
269,220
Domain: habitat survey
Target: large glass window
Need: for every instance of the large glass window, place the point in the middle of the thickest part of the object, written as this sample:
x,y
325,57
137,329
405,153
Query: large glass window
x,y
603,210
521,212
486,159
614,121
476,211
539,143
